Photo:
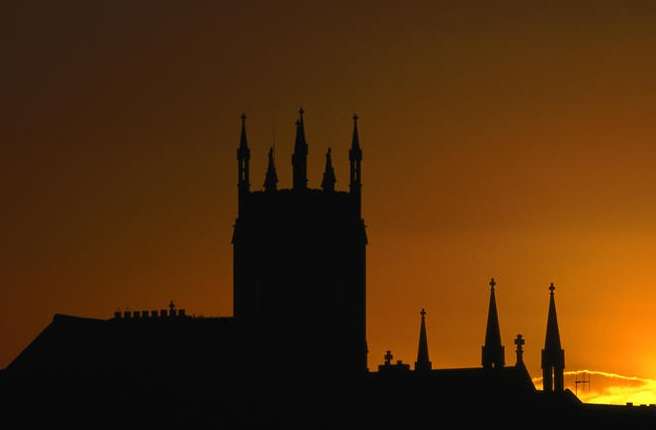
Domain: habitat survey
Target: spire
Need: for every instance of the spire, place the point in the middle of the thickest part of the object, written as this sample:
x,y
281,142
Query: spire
x,y
328,182
552,339
243,166
355,157
553,356
299,157
423,364
493,351
355,143
355,161
243,157
271,178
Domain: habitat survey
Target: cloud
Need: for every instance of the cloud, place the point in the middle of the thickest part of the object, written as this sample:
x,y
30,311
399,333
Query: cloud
x,y
609,388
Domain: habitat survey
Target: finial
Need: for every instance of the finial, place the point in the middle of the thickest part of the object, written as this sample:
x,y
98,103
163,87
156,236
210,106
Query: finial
x,y
493,283
519,341
552,287
301,111
355,118
243,117
172,305
422,313
388,357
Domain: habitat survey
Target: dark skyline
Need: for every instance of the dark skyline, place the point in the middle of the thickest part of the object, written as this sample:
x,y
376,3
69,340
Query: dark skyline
x,y
512,141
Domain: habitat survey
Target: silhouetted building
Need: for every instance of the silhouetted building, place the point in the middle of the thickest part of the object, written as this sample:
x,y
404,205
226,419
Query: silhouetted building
x,y
294,354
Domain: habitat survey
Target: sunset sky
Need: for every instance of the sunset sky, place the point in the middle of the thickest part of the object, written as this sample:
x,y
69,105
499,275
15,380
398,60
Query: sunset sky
x,y
516,141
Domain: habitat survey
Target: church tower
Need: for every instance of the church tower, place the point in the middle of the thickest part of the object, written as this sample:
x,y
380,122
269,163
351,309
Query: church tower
x,y
553,356
492,351
299,262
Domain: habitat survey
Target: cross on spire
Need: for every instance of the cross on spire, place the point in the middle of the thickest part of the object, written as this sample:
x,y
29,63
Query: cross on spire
x,y
423,313
493,283
552,287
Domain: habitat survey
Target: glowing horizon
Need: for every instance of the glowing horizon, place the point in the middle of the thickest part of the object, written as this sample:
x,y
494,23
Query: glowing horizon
x,y
615,389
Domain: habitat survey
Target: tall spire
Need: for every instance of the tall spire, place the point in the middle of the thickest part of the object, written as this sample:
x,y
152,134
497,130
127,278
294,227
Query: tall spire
x,y
299,157
328,182
492,351
355,160
423,363
271,178
553,356
243,163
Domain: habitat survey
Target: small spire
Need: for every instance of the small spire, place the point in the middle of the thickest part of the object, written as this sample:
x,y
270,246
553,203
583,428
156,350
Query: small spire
x,y
355,142
299,157
243,160
355,161
271,178
329,179
423,363
493,351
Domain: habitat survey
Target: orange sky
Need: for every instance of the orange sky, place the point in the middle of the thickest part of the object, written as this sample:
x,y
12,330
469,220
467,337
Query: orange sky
x,y
512,141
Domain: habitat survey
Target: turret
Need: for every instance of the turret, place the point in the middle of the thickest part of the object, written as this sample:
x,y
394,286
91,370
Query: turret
x,y
271,178
243,164
299,157
329,179
355,160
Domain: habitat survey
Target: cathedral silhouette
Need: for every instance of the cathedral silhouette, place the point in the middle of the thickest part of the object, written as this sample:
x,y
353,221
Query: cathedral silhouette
x,y
294,355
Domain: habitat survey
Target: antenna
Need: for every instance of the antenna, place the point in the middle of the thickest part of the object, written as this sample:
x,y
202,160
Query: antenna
x,y
585,382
